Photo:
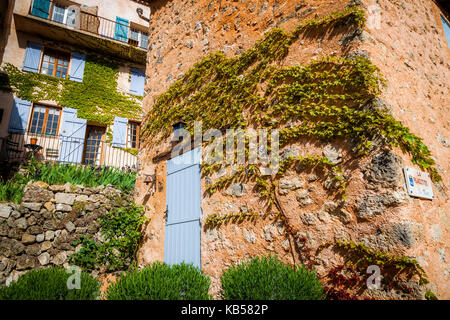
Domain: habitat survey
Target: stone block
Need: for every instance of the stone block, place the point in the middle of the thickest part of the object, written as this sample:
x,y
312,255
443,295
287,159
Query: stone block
x,y
65,198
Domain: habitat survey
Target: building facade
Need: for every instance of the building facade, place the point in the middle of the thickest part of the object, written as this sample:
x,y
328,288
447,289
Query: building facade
x,y
215,216
73,80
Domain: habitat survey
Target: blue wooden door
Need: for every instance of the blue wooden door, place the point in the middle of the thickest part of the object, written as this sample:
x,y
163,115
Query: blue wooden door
x,y
72,133
183,209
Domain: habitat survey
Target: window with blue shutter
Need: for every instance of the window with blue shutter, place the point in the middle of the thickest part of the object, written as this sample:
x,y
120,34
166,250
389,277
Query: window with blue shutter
x,y
120,132
77,66
121,32
446,26
137,82
32,57
41,8
19,116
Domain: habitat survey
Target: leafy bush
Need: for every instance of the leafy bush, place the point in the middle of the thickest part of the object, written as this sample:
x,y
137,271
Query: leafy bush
x,y
429,295
161,282
121,230
50,284
268,278
11,191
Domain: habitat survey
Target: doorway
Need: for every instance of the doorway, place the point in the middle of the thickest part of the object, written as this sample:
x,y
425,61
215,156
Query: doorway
x,y
93,145
183,209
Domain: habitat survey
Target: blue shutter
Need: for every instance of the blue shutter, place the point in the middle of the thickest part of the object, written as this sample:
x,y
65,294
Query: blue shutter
x,y
120,132
121,32
41,8
183,204
77,66
182,243
32,57
446,26
19,116
137,82
184,161
72,134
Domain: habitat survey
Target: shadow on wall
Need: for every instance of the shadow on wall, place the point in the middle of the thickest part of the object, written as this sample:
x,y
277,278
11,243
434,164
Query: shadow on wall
x,y
9,148
6,13
155,6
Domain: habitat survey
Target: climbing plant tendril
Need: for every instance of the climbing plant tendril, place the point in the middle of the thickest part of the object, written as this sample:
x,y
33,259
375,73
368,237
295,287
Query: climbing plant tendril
x,y
353,273
329,98
96,98
216,220
326,99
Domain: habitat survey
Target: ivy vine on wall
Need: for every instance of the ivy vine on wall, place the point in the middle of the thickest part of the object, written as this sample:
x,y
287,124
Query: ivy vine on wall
x,y
96,98
352,274
329,98
121,229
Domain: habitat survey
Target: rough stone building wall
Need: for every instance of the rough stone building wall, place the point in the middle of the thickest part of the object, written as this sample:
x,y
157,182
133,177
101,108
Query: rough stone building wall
x,y
410,50
40,231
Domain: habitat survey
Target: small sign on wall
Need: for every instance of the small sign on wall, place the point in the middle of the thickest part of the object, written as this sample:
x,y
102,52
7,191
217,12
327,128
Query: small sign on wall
x,y
418,183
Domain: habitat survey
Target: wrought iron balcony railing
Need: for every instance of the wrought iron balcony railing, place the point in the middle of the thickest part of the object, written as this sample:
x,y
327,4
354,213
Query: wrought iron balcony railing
x,y
18,147
77,17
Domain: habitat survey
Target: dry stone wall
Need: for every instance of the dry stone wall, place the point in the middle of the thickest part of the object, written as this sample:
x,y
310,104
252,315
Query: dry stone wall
x,y
40,231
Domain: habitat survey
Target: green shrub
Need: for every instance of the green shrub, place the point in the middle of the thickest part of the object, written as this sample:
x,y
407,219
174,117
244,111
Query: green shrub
x,y
268,278
11,191
121,229
429,295
161,282
50,284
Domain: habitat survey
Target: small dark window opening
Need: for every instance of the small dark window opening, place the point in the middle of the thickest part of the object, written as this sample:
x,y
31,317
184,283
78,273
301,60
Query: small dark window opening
x,y
176,130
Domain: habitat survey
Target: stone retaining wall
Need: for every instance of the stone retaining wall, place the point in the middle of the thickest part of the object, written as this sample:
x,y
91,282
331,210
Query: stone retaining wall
x,y
41,230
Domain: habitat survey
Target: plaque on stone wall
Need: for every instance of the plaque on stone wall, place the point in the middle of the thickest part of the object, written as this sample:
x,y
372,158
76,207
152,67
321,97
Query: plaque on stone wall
x,y
418,183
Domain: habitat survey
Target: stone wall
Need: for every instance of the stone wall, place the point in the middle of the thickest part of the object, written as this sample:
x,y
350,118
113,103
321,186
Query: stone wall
x,y
377,210
411,50
40,231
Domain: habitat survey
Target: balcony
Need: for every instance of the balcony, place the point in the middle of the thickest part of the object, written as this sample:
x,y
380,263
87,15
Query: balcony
x,y
75,25
18,147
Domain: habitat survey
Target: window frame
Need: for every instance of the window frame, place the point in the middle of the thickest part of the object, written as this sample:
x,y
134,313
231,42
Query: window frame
x,y
63,5
60,53
59,5
44,125
140,35
140,40
135,31
138,129
89,127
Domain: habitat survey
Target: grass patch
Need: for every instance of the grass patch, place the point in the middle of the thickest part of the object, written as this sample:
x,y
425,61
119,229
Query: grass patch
x,y
12,190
